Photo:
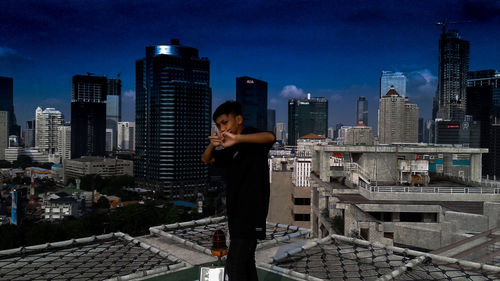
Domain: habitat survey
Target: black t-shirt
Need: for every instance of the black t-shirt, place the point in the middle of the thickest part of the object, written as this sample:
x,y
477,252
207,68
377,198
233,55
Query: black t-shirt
x,y
246,172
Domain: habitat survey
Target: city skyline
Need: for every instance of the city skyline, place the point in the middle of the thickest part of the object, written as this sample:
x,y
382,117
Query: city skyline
x,y
342,51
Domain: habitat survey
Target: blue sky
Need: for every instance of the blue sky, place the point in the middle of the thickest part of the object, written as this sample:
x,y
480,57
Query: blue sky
x,y
334,49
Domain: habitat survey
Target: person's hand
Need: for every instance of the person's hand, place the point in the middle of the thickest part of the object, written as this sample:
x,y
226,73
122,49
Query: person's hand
x,y
229,139
215,140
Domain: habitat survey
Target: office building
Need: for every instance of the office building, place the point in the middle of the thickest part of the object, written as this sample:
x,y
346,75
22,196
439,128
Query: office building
x,y
7,103
428,131
280,132
390,79
359,135
12,153
306,116
64,142
336,131
452,76
362,111
251,93
88,116
397,119
4,133
113,108
93,165
271,120
46,132
466,132
173,117
483,104
109,140
331,133
126,136
29,134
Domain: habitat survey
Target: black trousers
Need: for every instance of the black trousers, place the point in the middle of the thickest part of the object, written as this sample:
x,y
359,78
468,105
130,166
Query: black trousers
x,y
240,263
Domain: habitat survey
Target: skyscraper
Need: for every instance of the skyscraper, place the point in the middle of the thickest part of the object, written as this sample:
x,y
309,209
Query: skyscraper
x,y
126,136
362,111
173,108
394,79
271,120
280,132
7,103
251,93
88,116
4,136
46,133
452,81
483,104
397,119
113,108
29,134
64,142
305,116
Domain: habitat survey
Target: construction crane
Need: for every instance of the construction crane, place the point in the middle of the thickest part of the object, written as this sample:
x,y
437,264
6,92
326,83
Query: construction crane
x,y
448,22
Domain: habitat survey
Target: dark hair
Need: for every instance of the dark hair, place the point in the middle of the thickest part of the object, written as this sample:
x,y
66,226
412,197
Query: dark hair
x,y
229,107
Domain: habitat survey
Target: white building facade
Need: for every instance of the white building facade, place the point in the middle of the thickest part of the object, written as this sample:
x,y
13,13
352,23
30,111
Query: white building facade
x,y
64,142
126,136
48,122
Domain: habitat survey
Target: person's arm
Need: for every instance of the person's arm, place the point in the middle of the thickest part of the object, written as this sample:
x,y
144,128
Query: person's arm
x,y
261,137
208,156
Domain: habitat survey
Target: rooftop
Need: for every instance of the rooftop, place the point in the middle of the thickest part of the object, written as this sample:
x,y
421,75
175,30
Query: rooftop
x,y
175,251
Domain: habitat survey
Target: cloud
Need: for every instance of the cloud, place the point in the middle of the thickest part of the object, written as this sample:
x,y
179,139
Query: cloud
x,y
129,94
292,92
421,84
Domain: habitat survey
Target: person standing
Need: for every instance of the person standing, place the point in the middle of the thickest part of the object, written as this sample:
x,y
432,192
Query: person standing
x,y
242,152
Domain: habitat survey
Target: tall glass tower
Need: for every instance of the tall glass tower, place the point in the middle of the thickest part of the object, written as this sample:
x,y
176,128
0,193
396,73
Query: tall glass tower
x,y
173,117
7,103
306,116
251,93
390,79
362,111
113,108
452,83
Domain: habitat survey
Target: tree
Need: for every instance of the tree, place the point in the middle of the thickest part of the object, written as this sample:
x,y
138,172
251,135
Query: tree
x,y
102,203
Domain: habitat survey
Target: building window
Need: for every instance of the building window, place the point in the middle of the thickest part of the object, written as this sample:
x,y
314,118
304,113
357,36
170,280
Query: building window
x,y
302,217
302,201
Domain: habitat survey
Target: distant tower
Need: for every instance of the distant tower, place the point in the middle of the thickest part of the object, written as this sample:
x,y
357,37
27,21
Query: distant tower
x,y
362,111
113,108
88,116
397,119
126,136
48,122
7,103
173,117
452,81
4,133
390,79
251,93
271,120
305,116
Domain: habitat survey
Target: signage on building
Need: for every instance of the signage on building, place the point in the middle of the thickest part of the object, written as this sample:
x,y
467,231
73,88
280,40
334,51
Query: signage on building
x,y
453,126
13,210
250,81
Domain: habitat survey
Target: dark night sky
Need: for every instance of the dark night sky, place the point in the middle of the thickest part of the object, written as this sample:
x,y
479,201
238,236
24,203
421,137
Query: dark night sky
x,y
334,49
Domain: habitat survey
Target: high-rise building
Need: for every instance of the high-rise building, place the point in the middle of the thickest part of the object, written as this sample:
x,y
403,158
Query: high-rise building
x,y
338,126
421,126
173,108
109,140
483,104
271,120
4,133
362,111
113,108
331,133
126,136
390,79
280,132
251,93
306,116
64,142
88,116
29,134
494,152
452,77
397,119
48,122
465,132
7,103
